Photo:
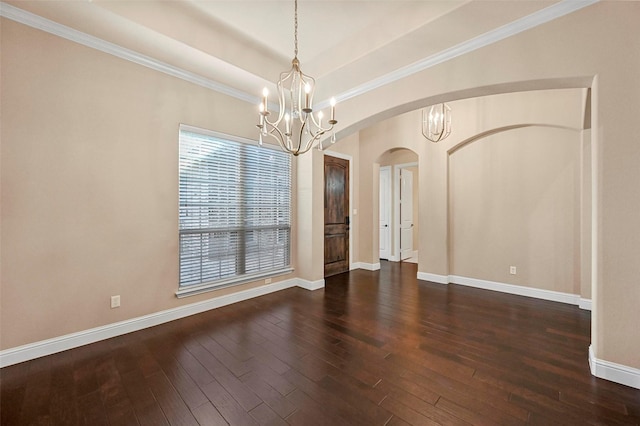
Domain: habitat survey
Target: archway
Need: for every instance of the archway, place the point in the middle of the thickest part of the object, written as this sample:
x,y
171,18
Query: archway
x,y
398,200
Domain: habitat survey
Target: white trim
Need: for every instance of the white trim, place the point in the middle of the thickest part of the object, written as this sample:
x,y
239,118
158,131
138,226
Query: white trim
x,y
533,20
35,21
225,136
337,154
614,372
367,266
584,304
69,341
310,285
434,278
556,296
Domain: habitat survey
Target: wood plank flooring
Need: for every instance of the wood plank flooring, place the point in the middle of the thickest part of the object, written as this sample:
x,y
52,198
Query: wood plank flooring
x,y
372,348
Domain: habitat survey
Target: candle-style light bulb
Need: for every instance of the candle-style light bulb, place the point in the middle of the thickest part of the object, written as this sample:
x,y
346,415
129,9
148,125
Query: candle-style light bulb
x,y
333,109
287,123
320,115
265,96
307,91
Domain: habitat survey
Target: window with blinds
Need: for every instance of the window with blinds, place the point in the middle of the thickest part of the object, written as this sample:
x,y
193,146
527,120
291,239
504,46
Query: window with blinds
x,y
235,211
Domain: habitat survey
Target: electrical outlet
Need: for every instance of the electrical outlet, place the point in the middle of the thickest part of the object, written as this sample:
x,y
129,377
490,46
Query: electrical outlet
x,y
115,301
512,270
267,280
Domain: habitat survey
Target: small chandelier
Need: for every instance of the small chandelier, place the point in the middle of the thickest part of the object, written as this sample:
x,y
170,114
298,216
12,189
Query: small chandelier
x,y
296,128
436,124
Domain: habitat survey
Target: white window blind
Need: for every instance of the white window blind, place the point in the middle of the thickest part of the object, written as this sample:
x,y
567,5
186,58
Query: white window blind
x,y
235,211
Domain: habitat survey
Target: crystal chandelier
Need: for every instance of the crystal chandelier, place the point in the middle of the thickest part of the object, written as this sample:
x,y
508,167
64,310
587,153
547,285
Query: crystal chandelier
x,y
436,123
296,127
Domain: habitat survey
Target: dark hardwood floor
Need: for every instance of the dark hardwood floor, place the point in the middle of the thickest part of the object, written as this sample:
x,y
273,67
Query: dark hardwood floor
x,y
373,348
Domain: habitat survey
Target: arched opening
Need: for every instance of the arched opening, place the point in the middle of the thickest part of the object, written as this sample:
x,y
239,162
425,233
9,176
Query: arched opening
x,y
514,116
398,200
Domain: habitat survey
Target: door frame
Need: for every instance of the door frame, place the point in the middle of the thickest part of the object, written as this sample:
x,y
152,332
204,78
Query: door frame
x,y
395,253
352,219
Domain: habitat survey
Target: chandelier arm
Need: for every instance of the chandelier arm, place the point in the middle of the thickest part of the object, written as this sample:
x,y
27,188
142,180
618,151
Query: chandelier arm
x,y
295,99
277,134
308,146
311,140
313,120
281,142
318,125
274,124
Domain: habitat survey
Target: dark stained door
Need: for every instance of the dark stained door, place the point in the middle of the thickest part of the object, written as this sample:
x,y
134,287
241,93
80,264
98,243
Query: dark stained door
x,y
336,215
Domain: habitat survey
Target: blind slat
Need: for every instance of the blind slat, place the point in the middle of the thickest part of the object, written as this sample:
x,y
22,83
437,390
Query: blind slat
x,y
234,209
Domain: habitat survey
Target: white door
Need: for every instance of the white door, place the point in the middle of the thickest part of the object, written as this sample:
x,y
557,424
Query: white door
x,y
406,214
385,212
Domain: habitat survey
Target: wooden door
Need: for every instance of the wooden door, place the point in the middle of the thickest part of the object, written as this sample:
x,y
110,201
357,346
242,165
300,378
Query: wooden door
x,y
336,215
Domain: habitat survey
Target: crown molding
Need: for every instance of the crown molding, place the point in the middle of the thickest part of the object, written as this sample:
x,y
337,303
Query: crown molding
x,y
35,21
533,20
557,10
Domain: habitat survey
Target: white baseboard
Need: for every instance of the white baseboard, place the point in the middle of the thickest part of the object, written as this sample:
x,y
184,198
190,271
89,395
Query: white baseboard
x,y
311,285
613,372
584,304
62,343
434,278
555,296
367,266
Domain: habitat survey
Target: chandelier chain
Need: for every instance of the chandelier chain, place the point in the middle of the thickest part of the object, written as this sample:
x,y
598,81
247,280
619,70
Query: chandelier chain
x,y
295,28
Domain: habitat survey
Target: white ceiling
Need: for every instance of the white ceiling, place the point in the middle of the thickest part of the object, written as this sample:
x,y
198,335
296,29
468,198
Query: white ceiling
x,y
243,44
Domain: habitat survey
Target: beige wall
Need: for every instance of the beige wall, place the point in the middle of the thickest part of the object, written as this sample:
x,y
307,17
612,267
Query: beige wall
x,y
89,176
476,121
310,211
587,48
401,133
90,184
514,201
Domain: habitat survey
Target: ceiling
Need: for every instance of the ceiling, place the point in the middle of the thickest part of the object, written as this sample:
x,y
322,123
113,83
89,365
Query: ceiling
x,y
244,45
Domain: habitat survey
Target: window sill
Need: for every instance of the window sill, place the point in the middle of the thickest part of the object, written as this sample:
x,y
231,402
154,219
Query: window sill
x,y
231,282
